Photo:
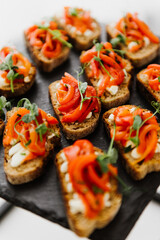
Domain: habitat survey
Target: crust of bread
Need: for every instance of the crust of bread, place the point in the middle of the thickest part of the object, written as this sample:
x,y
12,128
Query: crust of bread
x,y
30,170
145,89
44,63
80,42
19,88
1,126
123,94
141,57
137,171
75,130
81,225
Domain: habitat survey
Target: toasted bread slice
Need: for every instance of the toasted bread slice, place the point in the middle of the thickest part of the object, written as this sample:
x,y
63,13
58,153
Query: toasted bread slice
x,y
19,88
123,94
1,126
80,41
75,130
44,63
78,222
145,89
32,169
137,171
140,58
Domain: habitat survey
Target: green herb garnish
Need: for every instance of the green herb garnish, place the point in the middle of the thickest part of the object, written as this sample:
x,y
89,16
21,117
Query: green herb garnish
x,y
4,105
97,190
119,39
73,12
7,64
159,79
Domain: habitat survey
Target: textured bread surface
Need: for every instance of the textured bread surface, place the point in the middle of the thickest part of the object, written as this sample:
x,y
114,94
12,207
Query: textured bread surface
x,y
19,88
140,58
137,171
78,222
80,42
145,89
32,169
44,63
75,130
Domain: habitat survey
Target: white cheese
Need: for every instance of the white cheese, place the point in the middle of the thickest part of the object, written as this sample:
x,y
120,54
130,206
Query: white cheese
x,y
69,187
67,177
2,81
113,89
64,167
75,196
132,44
97,153
157,148
51,136
72,29
88,33
132,109
94,25
130,143
76,206
13,141
111,117
27,79
18,153
107,203
146,41
89,115
78,33
63,156
135,154
125,72
99,82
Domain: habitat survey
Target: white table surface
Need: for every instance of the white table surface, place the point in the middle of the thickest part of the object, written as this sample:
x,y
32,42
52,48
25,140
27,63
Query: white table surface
x,y
17,15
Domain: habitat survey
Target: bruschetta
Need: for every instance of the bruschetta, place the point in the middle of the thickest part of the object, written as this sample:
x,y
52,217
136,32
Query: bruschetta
x,y
76,105
134,37
91,195
109,73
17,74
137,138
30,135
148,82
81,28
47,44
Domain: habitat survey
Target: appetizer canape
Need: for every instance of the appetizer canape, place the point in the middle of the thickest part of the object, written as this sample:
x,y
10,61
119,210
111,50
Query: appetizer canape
x,y
137,138
89,187
108,72
17,74
29,137
76,106
134,36
80,27
47,44
148,81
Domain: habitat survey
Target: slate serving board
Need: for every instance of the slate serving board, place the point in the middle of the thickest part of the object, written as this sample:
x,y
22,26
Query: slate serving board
x,y
43,196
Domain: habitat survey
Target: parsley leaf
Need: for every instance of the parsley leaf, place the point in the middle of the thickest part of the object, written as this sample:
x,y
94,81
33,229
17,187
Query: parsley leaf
x,y
137,122
83,87
58,35
73,12
119,39
159,79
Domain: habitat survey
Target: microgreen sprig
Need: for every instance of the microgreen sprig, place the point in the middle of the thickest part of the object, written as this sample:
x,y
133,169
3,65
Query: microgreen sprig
x,y
138,123
73,12
117,40
7,64
82,87
4,105
111,158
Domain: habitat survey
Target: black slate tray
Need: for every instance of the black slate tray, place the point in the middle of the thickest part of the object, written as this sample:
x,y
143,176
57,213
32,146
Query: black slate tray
x,y
43,196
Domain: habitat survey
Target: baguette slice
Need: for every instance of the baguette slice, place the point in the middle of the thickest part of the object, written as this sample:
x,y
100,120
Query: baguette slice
x,y
145,89
44,63
75,130
19,88
81,225
123,94
1,126
137,171
80,42
140,58
32,169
